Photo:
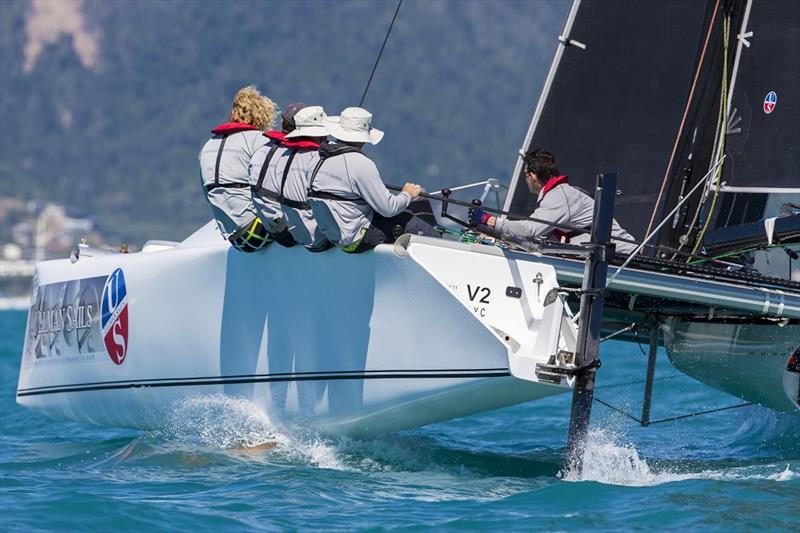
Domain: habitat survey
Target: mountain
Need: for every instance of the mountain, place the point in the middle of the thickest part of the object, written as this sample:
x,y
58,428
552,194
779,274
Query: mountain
x,y
104,105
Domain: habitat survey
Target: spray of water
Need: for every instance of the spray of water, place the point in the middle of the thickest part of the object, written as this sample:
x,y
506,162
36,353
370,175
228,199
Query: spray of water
x,y
219,421
610,460
239,426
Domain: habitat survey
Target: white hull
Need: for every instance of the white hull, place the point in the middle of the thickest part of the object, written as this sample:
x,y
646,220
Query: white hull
x,y
364,344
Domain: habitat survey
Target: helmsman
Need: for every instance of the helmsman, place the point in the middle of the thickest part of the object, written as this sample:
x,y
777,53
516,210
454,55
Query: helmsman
x,y
558,203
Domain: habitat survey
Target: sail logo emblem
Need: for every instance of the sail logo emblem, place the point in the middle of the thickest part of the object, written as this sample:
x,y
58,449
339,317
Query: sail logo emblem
x,y
770,101
114,316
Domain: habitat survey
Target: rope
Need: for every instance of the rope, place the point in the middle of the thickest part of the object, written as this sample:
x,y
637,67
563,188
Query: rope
x,y
666,219
724,127
561,226
683,119
717,410
685,114
378,59
640,381
671,418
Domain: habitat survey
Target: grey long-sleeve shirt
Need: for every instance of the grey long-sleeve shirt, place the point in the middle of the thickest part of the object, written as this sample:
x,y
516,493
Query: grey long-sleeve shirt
x,y
232,207
352,175
563,204
300,222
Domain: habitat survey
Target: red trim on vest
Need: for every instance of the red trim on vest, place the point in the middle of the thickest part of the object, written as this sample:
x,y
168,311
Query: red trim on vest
x,y
232,127
275,135
299,142
553,183
560,236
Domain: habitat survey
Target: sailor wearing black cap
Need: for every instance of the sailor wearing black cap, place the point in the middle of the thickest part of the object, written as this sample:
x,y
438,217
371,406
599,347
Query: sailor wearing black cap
x,y
280,175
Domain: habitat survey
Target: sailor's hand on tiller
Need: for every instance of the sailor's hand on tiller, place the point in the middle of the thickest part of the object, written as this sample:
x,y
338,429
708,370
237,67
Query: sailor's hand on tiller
x,y
413,189
479,216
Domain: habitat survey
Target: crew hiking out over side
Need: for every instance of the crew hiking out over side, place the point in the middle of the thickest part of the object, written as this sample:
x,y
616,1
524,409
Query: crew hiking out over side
x,y
280,175
225,161
352,206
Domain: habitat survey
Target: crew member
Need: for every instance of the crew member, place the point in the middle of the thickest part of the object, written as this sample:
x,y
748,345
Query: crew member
x,y
280,174
225,169
558,203
352,206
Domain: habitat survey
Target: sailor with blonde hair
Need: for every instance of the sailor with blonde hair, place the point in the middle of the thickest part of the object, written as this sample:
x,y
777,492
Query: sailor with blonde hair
x,y
225,162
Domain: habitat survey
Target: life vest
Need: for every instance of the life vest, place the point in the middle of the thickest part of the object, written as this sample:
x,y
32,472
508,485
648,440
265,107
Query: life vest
x,y
552,183
226,129
279,139
327,151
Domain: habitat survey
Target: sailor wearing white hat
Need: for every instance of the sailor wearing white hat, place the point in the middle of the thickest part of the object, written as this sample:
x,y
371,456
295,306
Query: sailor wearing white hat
x,y
280,175
352,206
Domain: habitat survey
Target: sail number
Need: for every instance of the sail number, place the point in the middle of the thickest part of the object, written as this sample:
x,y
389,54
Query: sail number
x,y
479,295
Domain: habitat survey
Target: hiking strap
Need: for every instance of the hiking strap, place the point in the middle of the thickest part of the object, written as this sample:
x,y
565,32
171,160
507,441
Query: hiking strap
x,y
280,198
227,186
301,206
219,158
322,195
312,193
264,167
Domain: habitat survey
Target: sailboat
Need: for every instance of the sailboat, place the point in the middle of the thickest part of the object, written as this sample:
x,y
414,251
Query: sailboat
x,y
663,95
427,330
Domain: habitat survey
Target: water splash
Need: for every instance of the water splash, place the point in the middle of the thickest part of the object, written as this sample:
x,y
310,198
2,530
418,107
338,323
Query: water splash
x,y
219,421
611,461
238,425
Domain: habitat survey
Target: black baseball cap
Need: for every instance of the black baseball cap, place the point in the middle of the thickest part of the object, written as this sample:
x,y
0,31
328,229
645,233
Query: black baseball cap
x,y
287,117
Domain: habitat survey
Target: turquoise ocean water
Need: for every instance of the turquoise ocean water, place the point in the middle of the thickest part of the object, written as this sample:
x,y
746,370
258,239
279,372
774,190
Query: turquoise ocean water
x,y
729,471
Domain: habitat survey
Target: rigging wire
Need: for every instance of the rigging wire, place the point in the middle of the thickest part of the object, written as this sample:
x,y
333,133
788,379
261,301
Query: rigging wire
x,y
724,128
561,226
685,114
378,59
666,219
671,418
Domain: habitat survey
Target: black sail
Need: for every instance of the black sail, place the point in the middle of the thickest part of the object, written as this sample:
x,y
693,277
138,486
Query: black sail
x,y
617,105
763,138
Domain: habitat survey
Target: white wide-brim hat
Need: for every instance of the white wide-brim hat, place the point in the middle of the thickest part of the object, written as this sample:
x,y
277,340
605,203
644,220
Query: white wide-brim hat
x,y
354,125
310,121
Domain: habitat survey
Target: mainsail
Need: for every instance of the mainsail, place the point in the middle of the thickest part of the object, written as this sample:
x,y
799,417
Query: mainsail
x,y
659,92
614,97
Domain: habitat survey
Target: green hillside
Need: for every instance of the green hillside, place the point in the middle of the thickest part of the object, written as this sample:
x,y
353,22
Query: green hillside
x,y
118,139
